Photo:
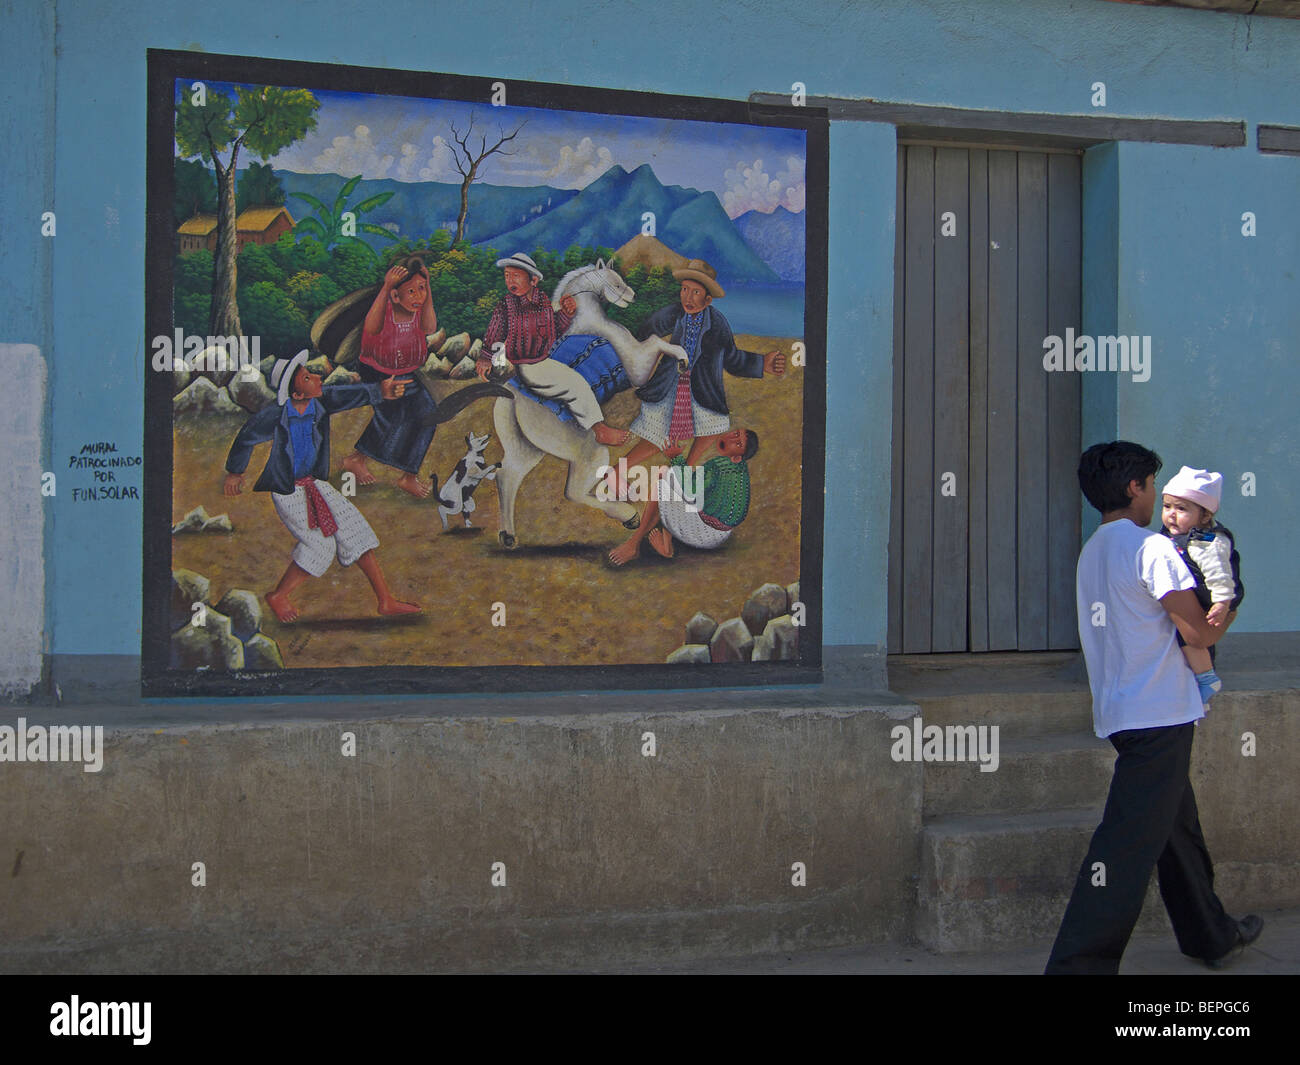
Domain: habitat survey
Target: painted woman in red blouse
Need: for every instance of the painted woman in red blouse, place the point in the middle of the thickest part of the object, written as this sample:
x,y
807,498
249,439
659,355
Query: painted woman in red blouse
x,y
393,342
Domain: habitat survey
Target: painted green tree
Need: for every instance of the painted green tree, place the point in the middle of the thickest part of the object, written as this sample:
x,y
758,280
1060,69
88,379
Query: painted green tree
x,y
259,187
195,192
338,225
264,119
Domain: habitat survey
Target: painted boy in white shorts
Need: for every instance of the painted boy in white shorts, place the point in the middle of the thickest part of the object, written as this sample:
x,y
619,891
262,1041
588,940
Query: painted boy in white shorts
x,y
325,524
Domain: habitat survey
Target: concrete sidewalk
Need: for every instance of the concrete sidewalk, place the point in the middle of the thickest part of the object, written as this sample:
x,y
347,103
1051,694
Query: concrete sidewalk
x,y
1276,952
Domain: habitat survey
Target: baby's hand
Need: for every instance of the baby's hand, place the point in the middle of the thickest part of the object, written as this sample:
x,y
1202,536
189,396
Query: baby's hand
x,y
1218,613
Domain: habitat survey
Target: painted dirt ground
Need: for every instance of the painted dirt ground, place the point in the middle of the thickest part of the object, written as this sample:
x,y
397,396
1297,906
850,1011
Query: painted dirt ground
x,y
564,604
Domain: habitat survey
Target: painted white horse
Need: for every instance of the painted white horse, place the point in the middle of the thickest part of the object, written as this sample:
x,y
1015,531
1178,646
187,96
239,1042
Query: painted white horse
x,y
528,430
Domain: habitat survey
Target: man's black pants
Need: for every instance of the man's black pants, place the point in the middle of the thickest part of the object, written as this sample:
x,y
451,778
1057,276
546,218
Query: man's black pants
x,y
1150,822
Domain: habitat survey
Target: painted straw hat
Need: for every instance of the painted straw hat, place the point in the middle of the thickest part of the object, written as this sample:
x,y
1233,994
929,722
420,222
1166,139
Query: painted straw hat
x,y
699,270
522,262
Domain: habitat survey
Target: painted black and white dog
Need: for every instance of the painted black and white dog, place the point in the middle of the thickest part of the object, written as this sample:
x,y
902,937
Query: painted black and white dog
x,y
456,496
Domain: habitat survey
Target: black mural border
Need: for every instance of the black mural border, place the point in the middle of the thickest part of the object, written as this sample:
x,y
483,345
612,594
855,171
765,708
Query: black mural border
x,y
159,681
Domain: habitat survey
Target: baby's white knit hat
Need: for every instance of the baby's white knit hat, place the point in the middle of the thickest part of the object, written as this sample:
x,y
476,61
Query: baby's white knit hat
x,y
1200,486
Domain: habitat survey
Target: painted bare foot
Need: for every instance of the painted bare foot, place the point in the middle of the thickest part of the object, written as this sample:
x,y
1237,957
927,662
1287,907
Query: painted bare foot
x,y
281,607
409,482
606,434
388,607
626,551
661,542
355,464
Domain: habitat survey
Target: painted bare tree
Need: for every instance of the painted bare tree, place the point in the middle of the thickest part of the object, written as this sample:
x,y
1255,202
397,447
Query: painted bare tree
x,y
468,159
263,118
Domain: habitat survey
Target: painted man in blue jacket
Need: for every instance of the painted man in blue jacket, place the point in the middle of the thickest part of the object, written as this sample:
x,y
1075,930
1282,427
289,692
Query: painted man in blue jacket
x,y
325,524
676,407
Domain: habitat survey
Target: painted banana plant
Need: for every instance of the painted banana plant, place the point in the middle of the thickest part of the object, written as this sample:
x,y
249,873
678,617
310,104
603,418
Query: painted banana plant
x,y
337,225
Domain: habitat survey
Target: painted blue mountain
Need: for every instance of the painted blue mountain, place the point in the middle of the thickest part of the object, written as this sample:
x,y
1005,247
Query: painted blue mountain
x,y
610,212
778,238
419,208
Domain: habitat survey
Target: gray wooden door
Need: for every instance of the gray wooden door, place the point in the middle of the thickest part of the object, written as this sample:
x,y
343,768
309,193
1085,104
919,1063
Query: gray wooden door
x,y
984,524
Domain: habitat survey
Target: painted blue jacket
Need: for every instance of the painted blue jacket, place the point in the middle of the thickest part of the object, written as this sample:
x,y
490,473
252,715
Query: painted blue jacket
x,y
718,352
272,423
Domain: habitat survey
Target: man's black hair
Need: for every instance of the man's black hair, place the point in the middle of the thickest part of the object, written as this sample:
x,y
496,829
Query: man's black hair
x,y
1106,470
751,444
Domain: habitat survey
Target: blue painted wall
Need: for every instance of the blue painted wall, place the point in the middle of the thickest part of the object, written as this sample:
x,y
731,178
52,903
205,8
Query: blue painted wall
x,y
1100,293
1222,309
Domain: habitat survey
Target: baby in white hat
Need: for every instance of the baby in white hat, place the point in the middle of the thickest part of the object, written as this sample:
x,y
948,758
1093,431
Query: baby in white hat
x,y
1191,500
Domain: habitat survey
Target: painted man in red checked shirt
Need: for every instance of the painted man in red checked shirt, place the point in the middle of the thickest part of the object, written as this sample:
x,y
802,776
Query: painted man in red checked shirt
x,y
527,327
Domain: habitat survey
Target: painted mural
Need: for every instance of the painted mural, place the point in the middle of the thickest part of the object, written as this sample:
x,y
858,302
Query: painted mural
x,y
462,382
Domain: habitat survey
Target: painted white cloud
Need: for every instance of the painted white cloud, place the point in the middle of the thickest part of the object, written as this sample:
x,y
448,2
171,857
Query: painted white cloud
x,y
579,165
750,187
570,166
435,163
354,153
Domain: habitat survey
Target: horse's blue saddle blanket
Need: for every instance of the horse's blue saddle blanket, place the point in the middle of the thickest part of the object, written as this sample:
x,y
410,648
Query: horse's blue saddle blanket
x,y
595,359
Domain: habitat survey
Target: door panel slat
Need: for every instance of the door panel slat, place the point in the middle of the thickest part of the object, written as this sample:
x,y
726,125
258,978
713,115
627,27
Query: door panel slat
x,y
978,610
1031,405
1064,391
1003,246
895,636
918,401
951,400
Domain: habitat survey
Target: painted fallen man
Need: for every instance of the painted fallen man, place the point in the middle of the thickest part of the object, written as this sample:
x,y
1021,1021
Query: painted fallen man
x,y
673,512
325,524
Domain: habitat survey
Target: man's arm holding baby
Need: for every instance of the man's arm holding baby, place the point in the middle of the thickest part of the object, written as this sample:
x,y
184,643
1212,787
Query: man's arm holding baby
x,y
1185,612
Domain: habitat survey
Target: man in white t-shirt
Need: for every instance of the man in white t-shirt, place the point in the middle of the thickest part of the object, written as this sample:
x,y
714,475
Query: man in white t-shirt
x,y
1134,592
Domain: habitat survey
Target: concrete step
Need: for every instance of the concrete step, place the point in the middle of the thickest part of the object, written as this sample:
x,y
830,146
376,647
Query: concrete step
x,y
1018,714
934,674
1033,773
1026,693
1002,880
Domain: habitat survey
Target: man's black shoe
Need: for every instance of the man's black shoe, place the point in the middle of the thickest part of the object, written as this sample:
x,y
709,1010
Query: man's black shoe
x,y
1248,930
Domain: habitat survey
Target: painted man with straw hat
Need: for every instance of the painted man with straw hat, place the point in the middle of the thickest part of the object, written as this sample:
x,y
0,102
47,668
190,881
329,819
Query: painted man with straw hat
x,y
326,526
527,328
692,405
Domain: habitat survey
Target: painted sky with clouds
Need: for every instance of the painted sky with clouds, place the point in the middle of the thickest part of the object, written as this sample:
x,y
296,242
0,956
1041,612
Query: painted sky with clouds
x,y
409,139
